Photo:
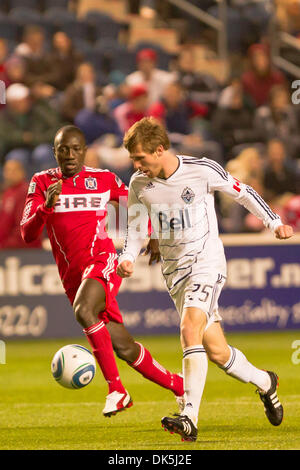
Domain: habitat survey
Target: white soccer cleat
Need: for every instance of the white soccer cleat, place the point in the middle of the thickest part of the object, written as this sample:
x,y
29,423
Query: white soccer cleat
x,y
116,402
181,402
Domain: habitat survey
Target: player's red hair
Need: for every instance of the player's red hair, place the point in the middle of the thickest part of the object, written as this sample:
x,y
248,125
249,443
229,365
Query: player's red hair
x,y
149,133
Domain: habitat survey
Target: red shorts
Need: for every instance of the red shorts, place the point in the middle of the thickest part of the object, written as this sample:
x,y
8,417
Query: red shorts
x,y
103,269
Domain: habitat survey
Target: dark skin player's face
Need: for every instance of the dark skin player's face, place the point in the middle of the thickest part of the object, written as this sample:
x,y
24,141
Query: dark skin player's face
x,y
69,151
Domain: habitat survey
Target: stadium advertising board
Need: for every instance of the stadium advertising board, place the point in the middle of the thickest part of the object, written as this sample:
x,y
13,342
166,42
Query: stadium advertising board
x,y
261,293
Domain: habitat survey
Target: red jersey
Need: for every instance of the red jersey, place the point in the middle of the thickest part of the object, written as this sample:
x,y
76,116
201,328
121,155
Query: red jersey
x,y
76,224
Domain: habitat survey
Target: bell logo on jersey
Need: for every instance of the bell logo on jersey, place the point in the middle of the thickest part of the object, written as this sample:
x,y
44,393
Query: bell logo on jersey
x,y
90,183
175,223
188,195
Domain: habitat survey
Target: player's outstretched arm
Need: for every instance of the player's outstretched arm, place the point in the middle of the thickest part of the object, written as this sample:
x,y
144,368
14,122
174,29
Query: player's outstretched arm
x,y
125,269
283,232
221,180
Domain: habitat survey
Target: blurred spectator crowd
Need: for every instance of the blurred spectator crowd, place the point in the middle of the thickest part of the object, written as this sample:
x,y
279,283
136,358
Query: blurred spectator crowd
x,y
58,69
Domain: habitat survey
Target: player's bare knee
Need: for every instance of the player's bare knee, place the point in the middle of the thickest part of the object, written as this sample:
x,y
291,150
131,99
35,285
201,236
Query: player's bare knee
x,y
218,356
84,314
189,335
127,352
186,331
192,328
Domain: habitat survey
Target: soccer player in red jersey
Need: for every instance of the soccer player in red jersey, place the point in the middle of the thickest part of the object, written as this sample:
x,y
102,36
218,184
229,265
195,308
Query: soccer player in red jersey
x,y
71,201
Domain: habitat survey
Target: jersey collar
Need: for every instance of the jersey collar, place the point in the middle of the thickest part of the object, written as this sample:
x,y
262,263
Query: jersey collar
x,y
67,177
175,173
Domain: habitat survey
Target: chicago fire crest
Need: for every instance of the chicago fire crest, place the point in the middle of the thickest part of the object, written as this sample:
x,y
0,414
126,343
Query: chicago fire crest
x,y
90,183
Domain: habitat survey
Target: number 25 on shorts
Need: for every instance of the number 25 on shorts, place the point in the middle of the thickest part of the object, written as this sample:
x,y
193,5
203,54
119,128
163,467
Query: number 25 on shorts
x,y
204,292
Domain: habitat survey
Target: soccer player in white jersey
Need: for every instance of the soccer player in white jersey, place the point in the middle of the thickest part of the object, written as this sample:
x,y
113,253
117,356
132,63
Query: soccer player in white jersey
x,y
178,194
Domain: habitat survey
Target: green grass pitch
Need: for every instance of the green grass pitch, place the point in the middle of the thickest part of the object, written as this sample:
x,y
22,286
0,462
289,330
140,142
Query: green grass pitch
x,y
37,413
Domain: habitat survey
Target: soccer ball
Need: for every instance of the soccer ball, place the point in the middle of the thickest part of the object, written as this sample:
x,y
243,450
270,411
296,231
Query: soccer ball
x,y
73,366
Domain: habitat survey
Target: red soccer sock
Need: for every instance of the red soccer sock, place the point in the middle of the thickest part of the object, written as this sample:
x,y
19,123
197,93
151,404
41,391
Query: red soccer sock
x,y
152,370
99,338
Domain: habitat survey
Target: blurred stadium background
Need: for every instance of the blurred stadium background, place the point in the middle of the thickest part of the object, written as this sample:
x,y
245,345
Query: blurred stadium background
x,y
224,77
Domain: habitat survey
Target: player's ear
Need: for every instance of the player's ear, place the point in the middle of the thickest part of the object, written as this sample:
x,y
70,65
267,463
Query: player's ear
x,y
159,150
54,154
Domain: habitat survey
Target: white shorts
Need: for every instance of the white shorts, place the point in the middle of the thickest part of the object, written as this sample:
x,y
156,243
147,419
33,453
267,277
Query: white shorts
x,y
200,289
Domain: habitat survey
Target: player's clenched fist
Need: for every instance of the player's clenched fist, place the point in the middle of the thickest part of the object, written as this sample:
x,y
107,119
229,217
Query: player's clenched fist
x,y
284,231
125,269
53,193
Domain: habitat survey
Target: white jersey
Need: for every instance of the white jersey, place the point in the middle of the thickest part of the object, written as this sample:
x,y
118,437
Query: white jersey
x,y
183,216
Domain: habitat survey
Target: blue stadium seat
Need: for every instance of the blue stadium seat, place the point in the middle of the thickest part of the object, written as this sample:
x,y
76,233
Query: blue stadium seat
x,y
102,64
23,15
124,62
103,24
34,4
108,44
76,29
107,29
102,78
59,15
94,57
56,3
47,25
108,49
164,60
96,16
9,29
82,45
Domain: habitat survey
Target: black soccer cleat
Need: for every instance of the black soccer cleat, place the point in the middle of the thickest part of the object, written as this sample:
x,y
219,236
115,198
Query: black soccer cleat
x,y
273,407
182,425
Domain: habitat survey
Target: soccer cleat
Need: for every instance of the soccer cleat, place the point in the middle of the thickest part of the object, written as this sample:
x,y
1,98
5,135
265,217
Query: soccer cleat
x,y
181,402
116,402
182,425
273,407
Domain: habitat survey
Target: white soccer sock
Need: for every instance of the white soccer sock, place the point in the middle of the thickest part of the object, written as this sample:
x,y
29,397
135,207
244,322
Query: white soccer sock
x,y
240,368
194,377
